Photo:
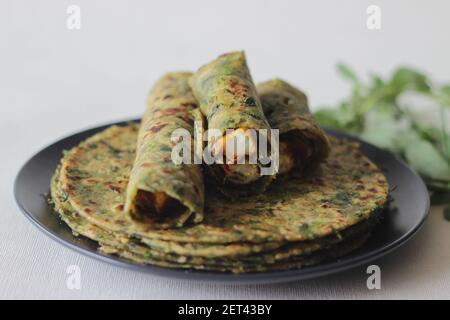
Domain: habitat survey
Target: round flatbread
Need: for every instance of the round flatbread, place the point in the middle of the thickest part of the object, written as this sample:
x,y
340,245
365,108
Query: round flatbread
x,y
335,252
121,242
346,190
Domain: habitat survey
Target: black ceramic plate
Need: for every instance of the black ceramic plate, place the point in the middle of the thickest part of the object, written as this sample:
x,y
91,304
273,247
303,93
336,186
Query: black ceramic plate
x,y
408,211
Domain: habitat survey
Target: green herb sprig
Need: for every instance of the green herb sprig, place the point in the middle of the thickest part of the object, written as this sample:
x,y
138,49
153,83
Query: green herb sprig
x,y
376,111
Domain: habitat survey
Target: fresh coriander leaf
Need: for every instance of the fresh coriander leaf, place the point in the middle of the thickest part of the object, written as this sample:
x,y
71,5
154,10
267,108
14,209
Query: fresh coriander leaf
x,y
437,136
382,128
423,156
384,138
376,81
331,118
445,89
408,79
347,73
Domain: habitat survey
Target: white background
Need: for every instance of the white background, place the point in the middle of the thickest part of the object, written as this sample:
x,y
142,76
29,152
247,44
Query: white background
x,y
54,81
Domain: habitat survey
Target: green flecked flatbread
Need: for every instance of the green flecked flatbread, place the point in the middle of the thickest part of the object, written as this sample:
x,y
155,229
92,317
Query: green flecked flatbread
x,y
291,252
228,100
303,144
120,241
292,225
306,254
331,253
82,226
346,190
161,193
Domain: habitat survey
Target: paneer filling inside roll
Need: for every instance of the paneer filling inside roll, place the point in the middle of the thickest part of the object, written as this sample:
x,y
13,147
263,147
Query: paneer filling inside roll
x,y
157,205
294,153
239,147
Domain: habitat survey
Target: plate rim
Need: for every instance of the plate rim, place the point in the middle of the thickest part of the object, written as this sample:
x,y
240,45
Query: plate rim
x,y
219,277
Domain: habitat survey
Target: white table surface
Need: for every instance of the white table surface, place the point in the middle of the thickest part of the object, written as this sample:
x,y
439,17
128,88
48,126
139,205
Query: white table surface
x,y
54,81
